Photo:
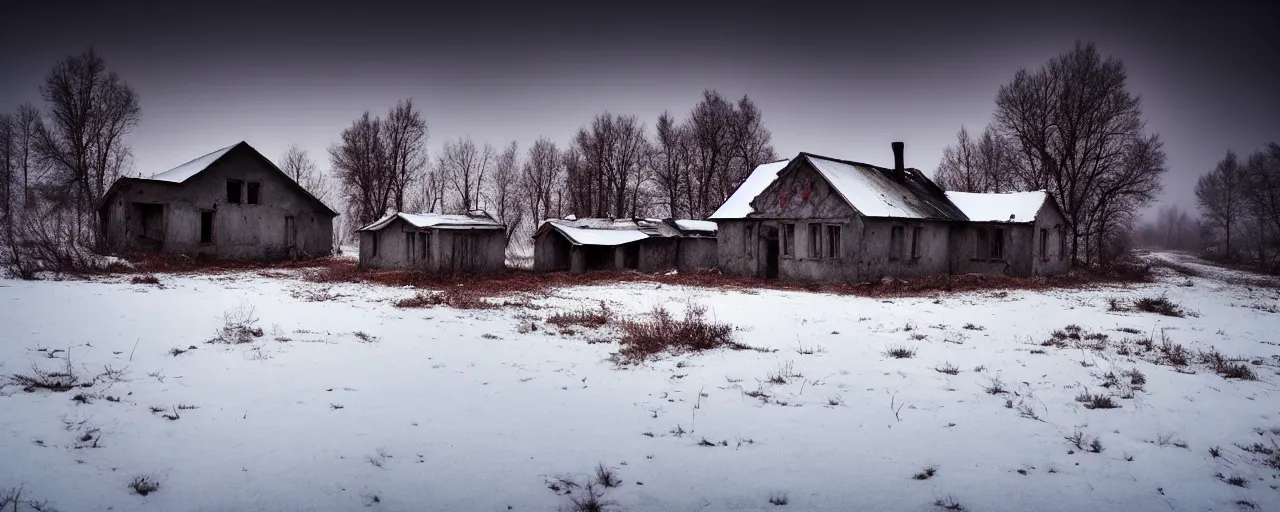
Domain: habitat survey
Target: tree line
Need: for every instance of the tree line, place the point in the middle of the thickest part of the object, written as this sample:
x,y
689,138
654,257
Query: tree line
x,y
613,166
1070,128
1239,203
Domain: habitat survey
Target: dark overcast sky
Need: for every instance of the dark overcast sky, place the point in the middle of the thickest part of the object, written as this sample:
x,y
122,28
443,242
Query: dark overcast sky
x,y
838,80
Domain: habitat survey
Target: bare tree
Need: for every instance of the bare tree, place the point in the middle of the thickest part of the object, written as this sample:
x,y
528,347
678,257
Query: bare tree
x,y
90,112
463,167
503,196
1076,131
298,164
1220,195
980,165
430,191
8,174
359,162
540,176
27,125
671,162
711,131
1262,197
406,142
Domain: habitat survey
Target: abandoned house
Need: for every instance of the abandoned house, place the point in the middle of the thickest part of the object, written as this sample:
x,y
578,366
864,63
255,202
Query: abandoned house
x,y
646,245
232,203
819,219
473,243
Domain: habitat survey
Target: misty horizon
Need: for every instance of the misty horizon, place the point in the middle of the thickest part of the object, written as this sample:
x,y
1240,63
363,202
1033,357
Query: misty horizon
x,y
842,84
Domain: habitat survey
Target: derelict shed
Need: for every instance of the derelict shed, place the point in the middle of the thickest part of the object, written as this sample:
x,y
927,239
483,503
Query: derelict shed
x,y
231,203
433,242
646,245
1015,233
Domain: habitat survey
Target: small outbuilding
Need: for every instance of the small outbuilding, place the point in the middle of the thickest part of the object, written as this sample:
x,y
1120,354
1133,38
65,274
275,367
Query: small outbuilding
x,y
646,245
474,243
232,203
1014,233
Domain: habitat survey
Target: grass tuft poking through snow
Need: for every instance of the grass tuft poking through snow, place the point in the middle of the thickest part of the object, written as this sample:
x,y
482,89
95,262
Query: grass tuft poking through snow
x,y
658,332
779,499
899,351
1159,305
144,484
585,317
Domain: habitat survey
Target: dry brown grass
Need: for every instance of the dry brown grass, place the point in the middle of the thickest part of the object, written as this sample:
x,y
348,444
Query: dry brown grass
x,y
658,332
528,282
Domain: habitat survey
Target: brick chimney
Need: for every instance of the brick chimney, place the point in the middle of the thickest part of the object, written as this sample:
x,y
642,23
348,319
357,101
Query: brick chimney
x,y
899,172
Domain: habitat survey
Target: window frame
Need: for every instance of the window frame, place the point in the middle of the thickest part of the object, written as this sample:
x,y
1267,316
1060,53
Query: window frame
x,y
916,231
814,240
981,243
252,192
410,239
1044,244
747,246
373,250
833,248
896,234
997,244
238,185
788,240
1062,245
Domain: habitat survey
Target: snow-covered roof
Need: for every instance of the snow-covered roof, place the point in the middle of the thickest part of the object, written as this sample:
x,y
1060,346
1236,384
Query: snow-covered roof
x,y
696,225
437,221
999,207
739,203
180,173
875,193
599,231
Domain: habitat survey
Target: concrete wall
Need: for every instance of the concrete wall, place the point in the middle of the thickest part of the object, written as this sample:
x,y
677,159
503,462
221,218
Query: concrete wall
x,y
240,231
447,250
697,253
736,242
878,259
1056,257
551,252
657,254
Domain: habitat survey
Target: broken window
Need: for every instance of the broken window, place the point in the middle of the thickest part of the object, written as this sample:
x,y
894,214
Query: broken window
x,y
895,243
233,190
206,227
997,244
788,239
982,244
252,190
915,241
833,241
815,240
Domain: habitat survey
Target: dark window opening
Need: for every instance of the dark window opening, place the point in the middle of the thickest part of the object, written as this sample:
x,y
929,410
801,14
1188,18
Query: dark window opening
x,y
788,239
206,227
373,246
233,190
748,241
423,245
895,243
815,240
251,196
982,245
1062,245
1044,245
833,241
915,241
997,244
409,238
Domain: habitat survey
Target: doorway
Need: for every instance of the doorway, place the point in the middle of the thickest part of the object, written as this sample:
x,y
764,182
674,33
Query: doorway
x,y
770,236
631,256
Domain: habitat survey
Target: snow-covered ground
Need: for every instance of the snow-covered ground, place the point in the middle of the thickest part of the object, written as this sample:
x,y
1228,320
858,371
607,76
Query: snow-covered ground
x,y
350,402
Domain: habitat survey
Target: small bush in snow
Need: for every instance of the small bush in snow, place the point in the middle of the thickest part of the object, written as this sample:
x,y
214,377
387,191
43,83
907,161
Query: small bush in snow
x,y
972,327
783,373
145,279
1085,443
899,351
926,473
778,499
1215,451
1092,401
1159,305
1235,480
585,317
11,500
589,501
659,332
451,297
948,502
144,484
995,386
606,477
947,368
239,325
61,380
